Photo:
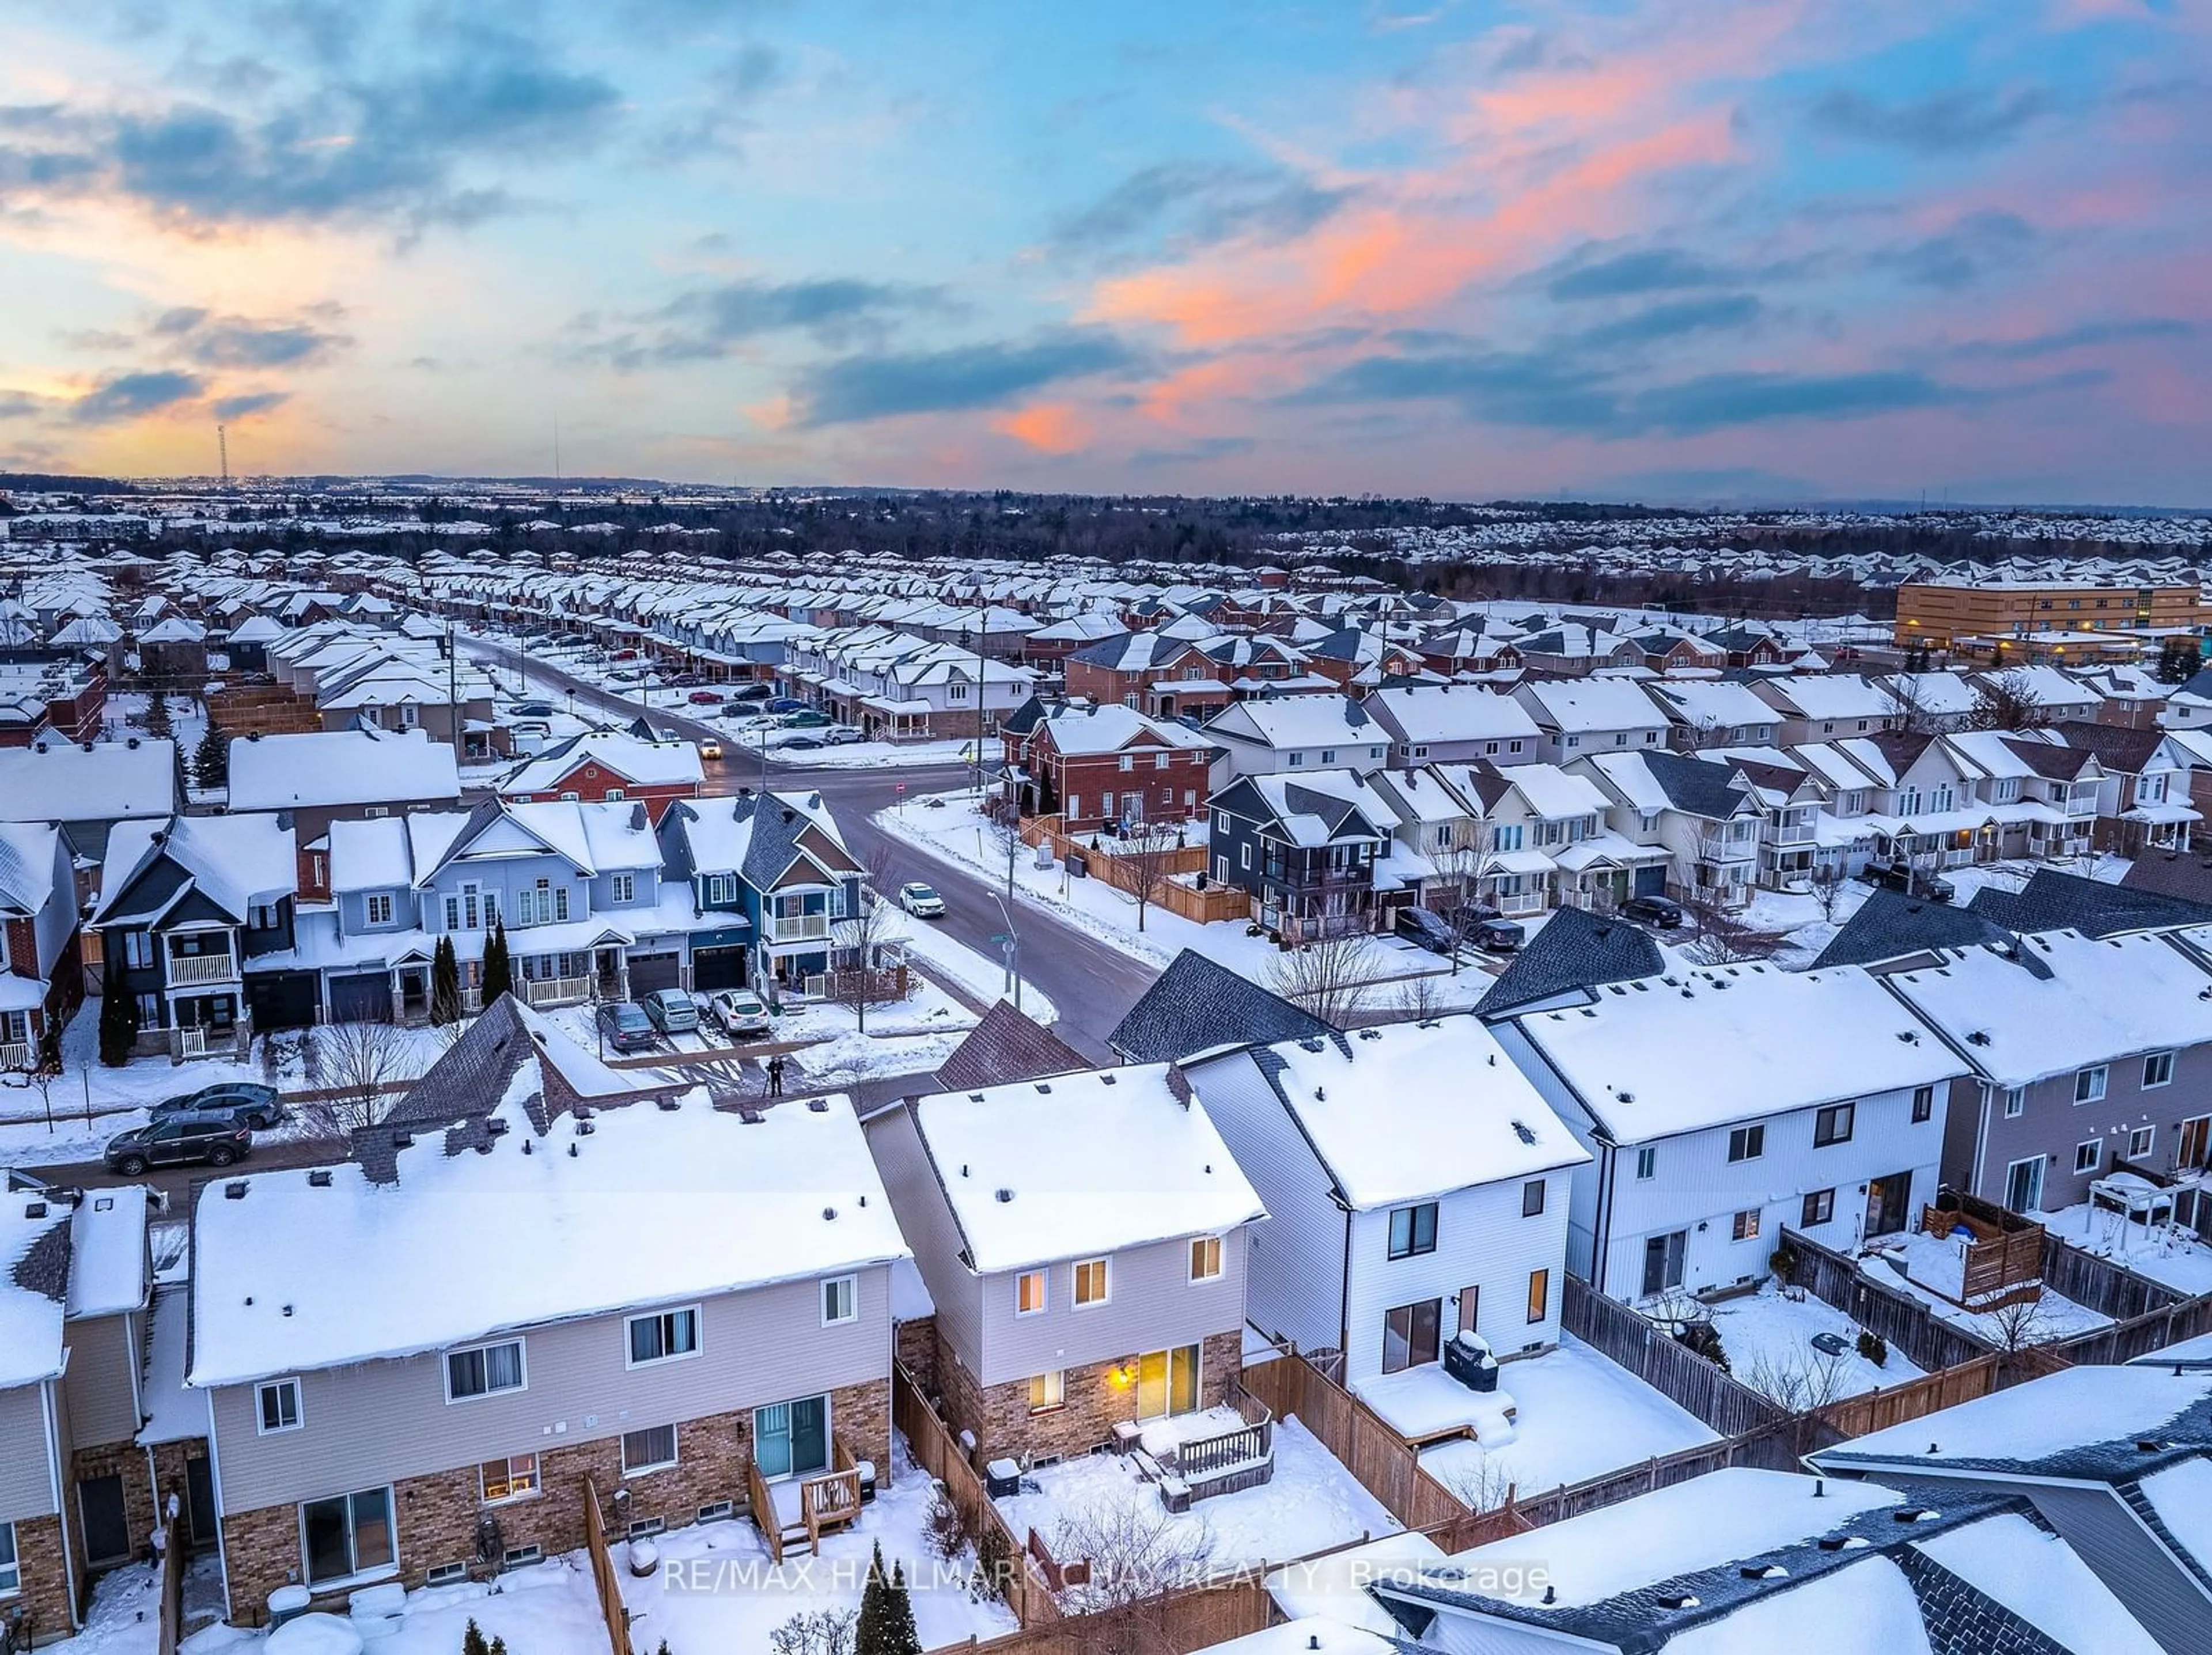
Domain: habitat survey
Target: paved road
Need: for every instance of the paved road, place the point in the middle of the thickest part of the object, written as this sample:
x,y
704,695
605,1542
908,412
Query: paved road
x,y
1092,982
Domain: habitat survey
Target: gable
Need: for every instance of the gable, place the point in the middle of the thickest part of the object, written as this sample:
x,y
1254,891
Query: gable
x,y
501,837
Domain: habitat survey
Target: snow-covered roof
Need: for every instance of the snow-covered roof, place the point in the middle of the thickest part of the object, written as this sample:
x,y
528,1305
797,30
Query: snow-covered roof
x,y
1079,1165
112,781
1406,1111
1440,714
34,1258
1107,729
108,1260
642,764
340,767
234,861
1704,1047
2062,1002
656,1205
1587,706
2042,1579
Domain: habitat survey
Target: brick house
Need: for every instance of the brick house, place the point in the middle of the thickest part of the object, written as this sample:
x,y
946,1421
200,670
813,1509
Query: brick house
x,y
1066,1304
609,765
1093,765
684,1311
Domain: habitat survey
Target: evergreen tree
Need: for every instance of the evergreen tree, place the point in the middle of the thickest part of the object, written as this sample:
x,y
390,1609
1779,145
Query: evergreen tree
x,y
158,721
472,1641
2177,660
498,967
119,1014
211,760
901,1637
886,1625
445,982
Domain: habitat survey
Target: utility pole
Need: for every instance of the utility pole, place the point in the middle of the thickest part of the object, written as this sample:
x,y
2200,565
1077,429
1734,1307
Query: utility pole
x,y
223,454
982,636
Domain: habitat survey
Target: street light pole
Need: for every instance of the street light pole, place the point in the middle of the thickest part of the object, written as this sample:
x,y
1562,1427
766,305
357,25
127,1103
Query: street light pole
x,y
1011,948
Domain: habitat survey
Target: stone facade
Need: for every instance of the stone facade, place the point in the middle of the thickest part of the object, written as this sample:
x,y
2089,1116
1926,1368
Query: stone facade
x,y
442,1518
46,1589
171,1478
1005,1427
127,1460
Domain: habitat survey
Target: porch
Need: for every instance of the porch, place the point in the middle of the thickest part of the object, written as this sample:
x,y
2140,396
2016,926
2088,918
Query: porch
x,y
796,1509
1222,1450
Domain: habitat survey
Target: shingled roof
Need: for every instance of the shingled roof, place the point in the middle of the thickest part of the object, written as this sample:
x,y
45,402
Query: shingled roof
x,y
1892,926
1576,949
2051,901
1006,1046
1199,1006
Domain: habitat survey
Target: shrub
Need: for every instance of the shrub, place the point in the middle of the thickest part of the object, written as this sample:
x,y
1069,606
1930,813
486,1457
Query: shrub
x,y
1705,1340
1874,1347
1783,1263
943,1528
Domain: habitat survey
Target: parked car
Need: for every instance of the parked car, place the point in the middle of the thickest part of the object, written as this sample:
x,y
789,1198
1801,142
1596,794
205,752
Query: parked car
x,y
751,692
1912,881
738,1012
842,735
786,704
921,900
533,709
671,1011
252,1106
705,697
807,721
710,748
1664,912
179,1140
805,744
625,1026
624,654
1498,936
1424,929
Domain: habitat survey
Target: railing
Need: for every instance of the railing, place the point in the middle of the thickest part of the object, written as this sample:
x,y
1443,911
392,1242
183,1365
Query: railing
x,y
16,1054
1713,849
1232,1460
832,1499
557,990
1526,902
604,1578
798,928
757,1496
198,970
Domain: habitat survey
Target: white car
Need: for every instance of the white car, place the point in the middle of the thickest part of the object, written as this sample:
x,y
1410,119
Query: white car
x,y
921,900
737,1012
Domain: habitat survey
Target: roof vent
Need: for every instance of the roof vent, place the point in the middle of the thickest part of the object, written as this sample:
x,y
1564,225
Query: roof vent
x,y
1678,1600
1520,1130
403,1141
572,1151
288,1310
235,1191
1044,1086
1370,1034
829,1214
1908,1037
585,1128
1834,1542
495,1127
1764,1572
668,1105
1003,1195
1978,1038
2146,1445
526,1146
319,1179
1105,1080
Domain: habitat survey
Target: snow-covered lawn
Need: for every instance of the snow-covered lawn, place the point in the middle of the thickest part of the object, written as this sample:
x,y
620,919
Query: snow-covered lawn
x,y
124,1618
714,1590
1930,1268
1313,1503
950,960
1768,1336
2164,1252
1581,1416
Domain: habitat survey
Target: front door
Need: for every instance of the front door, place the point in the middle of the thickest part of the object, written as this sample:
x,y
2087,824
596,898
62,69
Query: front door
x,y
2196,1140
199,1500
2024,1185
1889,1202
1662,1262
792,1439
107,1530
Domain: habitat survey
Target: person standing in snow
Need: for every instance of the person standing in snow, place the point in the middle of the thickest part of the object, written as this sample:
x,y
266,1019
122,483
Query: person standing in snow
x,y
775,1075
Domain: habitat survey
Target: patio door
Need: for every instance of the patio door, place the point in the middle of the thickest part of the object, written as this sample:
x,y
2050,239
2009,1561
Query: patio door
x,y
2196,1140
792,1439
1167,1382
1889,1202
2024,1185
1662,1262
1409,1333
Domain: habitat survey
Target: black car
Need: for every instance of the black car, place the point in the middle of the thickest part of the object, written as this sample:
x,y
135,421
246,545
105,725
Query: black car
x,y
179,1140
1498,936
240,1102
1424,929
1912,881
1664,912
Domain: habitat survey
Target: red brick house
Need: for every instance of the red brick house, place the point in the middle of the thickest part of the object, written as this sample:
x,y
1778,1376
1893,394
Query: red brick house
x,y
1093,765
601,766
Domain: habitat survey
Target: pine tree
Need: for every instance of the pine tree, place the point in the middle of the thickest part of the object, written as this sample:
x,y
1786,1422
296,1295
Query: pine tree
x,y
118,1015
472,1641
158,721
445,982
901,1637
498,967
211,760
886,1613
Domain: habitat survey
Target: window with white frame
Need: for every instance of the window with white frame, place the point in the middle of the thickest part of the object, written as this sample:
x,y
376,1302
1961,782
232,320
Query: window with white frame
x,y
2158,1070
2089,1084
1745,1225
276,1406
1205,1258
2088,1154
719,888
1747,1143
1032,1293
2016,1102
625,887
2140,1141
841,1301
11,1569
653,1449
483,1370
1129,763
1647,1162
347,1536
1092,1282
380,908
1833,1125
1047,1392
512,1478
662,1336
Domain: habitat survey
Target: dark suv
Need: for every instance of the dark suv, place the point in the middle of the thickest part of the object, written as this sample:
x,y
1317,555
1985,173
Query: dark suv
x,y
1663,911
241,1103
178,1141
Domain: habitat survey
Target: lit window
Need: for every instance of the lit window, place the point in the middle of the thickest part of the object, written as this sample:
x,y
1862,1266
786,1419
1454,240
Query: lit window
x,y
1205,1258
1746,1224
1819,1208
1030,1293
1540,1294
509,1479
1047,1392
1090,1283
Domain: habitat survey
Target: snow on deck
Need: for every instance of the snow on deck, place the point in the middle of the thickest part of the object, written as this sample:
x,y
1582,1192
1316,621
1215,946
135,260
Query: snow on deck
x,y
1425,1402
2164,1252
1932,1270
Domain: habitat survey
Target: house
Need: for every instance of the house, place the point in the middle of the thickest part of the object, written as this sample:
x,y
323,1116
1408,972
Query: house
x,y
2143,784
1155,672
1274,735
1701,812
1894,931
1744,1559
184,907
1827,706
2080,1054
1005,1046
683,1312
1579,719
2114,1460
1416,1187
1576,954
1094,765
87,789
1196,1006
769,878
1713,712
2184,874
1720,1105
1084,1239
175,649
1444,723
1306,848
605,765
45,979
326,775
2057,697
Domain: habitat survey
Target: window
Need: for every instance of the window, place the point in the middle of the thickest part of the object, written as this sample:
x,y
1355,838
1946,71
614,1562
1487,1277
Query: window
x,y
137,949
720,888
1923,1104
379,910
1328,755
1106,806
1647,1161
1409,1335
664,1337
1244,858
1091,1284
346,1535
1470,1308
2158,1070
509,1479
2089,1085
1413,1229
1129,763
650,1449
278,1403
2088,1154
1030,1293
1833,1125
625,889
1205,1258
11,1572
612,795
1745,1226
1540,1294
1047,1392
2140,1141
2016,1102
1819,1208
1747,1143
840,1300
1532,1198
485,1370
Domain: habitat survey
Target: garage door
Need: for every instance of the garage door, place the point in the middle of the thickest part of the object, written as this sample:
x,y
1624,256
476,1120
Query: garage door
x,y
281,1000
1651,881
718,968
651,971
366,998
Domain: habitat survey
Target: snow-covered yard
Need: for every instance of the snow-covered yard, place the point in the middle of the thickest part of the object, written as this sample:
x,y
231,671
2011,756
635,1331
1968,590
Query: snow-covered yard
x,y
2164,1252
1581,1416
1768,1336
1930,1269
1312,1504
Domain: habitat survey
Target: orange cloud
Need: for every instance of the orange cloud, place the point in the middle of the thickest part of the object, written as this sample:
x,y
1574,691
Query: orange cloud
x,y
1051,428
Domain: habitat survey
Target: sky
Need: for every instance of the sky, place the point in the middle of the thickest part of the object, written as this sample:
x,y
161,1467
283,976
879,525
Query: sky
x,y
1658,249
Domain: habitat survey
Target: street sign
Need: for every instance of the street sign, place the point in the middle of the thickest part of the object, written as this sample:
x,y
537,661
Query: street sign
x,y
901,787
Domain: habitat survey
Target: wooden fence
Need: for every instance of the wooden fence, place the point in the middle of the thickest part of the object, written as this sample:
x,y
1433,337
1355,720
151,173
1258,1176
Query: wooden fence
x,y
1178,1622
2139,1335
1923,1338
2110,1289
603,1578
1627,1337
175,1559
937,1452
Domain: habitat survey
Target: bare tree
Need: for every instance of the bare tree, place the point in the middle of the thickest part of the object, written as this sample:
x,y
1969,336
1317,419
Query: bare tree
x,y
1828,890
858,978
1480,1482
1329,977
1463,868
1796,1380
2013,1328
359,1065
817,1632
1136,1550
1422,999
1907,692
1147,852
1724,937
2003,701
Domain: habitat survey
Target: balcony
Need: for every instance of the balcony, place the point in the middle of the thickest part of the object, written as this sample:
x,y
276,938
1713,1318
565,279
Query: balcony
x,y
798,927
198,970
1712,848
